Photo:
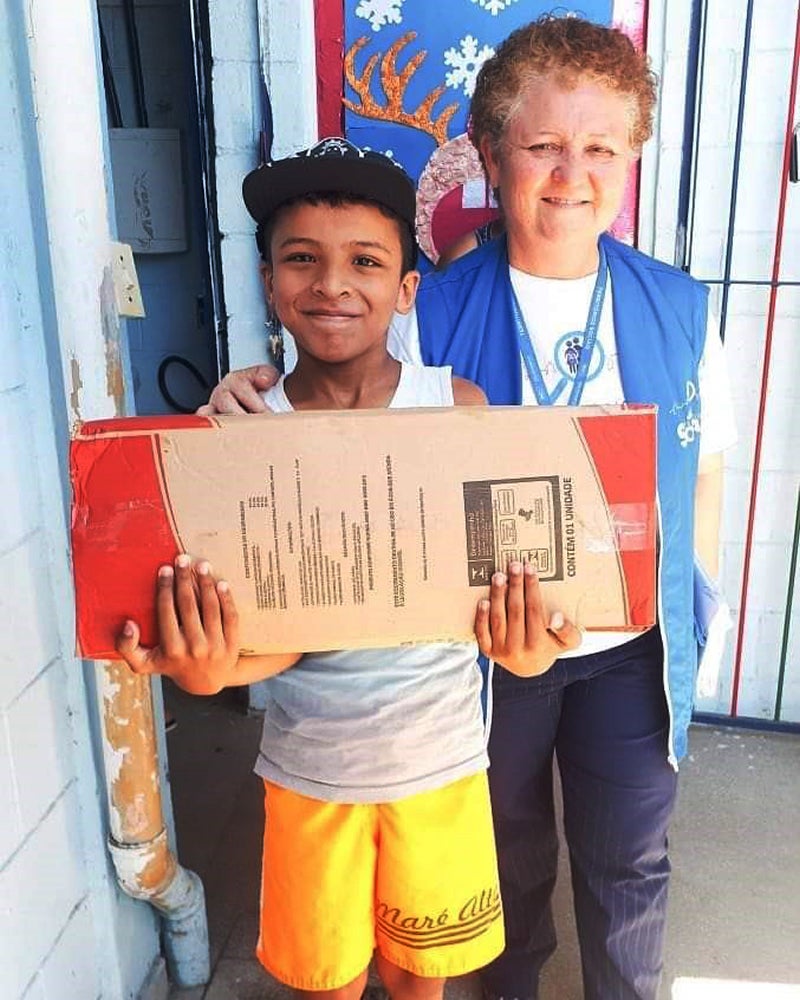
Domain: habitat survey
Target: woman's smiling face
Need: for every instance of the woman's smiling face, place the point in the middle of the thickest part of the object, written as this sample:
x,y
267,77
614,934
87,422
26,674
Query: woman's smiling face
x,y
562,164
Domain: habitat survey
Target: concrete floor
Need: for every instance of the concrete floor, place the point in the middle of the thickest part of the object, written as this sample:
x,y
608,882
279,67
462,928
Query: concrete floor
x,y
734,925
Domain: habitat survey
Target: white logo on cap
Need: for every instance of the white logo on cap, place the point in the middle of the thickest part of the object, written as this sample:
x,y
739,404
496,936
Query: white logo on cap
x,y
333,145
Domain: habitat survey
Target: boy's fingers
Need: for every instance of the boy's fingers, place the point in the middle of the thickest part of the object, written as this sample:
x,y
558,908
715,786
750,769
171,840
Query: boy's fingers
x,y
515,605
186,599
497,610
265,376
127,645
230,616
482,633
534,611
169,630
240,391
221,401
209,602
568,635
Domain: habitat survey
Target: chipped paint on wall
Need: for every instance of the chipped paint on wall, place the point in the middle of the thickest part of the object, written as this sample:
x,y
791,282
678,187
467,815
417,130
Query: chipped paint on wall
x,y
75,386
129,750
109,320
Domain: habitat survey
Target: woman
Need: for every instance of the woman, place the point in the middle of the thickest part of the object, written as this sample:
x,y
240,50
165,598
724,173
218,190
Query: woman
x,y
556,312
469,241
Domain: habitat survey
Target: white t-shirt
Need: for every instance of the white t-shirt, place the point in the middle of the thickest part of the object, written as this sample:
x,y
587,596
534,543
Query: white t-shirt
x,y
555,311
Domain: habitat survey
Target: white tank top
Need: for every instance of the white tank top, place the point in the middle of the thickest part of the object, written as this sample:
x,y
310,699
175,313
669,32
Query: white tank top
x,y
434,385
375,725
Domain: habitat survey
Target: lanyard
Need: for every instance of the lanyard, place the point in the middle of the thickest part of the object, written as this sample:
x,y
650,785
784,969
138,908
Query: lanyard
x,y
587,347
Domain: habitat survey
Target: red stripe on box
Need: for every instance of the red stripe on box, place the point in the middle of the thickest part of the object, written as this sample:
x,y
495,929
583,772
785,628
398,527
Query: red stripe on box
x,y
140,425
624,457
121,533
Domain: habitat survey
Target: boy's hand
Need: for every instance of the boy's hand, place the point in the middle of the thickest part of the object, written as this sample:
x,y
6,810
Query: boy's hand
x,y
240,391
198,628
511,628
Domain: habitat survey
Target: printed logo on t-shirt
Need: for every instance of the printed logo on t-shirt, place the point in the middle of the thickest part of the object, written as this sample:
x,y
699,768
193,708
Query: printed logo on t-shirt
x,y
567,359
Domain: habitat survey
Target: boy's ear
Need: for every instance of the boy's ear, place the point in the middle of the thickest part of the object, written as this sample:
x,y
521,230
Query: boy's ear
x,y
266,277
407,292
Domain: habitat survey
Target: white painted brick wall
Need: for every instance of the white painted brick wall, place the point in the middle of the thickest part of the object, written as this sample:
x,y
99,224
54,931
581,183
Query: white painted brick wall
x,y
43,878
61,976
756,213
17,472
27,607
281,30
60,911
42,891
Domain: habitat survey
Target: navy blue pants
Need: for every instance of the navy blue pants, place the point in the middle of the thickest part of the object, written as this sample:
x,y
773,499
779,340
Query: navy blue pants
x,y
605,716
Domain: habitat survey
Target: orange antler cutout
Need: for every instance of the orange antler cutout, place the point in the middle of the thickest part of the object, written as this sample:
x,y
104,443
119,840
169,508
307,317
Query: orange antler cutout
x,y
394,85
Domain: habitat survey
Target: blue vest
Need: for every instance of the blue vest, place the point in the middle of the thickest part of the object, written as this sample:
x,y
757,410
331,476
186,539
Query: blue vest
x,y
466,320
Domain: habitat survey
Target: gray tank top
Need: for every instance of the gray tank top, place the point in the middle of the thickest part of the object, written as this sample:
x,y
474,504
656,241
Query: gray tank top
x,y
375,725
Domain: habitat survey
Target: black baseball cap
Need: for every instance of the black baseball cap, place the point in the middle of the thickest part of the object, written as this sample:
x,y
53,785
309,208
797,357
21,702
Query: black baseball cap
x,y
334,165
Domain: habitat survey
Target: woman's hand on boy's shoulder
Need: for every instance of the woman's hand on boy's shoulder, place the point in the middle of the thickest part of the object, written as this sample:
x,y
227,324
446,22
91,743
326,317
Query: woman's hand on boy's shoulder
x,y
240,391
198,628
466,393
513,629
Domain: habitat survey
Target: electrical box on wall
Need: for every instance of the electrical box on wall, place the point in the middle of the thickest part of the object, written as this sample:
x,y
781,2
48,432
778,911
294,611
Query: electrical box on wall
x,y
147,169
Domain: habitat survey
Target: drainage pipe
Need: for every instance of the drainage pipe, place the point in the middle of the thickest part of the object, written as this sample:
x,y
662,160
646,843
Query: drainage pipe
x,y
146,867
63,44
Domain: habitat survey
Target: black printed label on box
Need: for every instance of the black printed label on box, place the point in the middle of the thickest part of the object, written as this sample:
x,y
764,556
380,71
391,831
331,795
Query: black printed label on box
x,y
508,520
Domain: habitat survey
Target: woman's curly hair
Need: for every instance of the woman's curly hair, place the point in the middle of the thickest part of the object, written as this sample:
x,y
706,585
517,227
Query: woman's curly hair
x,y
568,48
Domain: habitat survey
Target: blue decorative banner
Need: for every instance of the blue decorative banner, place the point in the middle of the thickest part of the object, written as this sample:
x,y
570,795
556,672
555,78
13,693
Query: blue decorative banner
x,y
410,69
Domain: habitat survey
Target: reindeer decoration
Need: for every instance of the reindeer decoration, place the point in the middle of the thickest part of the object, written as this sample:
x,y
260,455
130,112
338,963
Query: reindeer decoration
x,y
453,163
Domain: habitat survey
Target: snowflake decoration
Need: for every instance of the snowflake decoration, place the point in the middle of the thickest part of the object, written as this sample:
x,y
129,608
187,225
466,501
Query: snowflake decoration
x,y
380,12
466,63
494,6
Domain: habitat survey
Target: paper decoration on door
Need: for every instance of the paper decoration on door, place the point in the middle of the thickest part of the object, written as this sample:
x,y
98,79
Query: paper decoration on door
x,y
409,72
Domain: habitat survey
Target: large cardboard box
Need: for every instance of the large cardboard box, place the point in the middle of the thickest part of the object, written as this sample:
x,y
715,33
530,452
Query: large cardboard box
x,y
366,528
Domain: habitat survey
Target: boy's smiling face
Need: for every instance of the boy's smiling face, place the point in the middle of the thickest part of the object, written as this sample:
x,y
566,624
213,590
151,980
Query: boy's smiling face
x,y
335,278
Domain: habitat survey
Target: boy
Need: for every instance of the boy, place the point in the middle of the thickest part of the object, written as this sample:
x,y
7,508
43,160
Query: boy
x,y
378,829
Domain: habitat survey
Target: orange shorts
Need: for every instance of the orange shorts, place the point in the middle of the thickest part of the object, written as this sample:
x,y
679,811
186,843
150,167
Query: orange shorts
x,y
416,879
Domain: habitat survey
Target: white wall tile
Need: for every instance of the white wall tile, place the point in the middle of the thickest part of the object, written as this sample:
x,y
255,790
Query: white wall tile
x,y
790,701
769,577
726,20
720,92
27,608
236,90
11,325
234,30
246,312
790,251
38,725
766,105
773,26
11,823
777,498
760,660
760,173
66,974
233,216
39,888
18,485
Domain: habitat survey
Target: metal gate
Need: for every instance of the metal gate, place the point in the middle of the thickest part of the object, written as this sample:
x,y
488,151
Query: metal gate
x,y
756,286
